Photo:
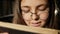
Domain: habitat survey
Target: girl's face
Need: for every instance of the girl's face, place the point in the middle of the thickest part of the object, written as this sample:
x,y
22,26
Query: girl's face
x,y
35,12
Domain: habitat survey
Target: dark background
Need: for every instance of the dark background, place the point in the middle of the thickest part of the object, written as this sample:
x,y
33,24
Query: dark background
x,y
58,15
6,13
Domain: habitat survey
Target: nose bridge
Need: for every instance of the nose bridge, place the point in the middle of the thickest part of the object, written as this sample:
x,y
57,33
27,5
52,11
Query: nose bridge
x,y
33,11
34,14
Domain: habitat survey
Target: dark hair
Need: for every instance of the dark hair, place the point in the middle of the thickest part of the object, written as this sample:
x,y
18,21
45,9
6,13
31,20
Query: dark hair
x,y
51,21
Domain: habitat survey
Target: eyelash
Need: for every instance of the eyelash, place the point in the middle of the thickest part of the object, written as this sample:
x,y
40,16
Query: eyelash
x,y
26,11
41,9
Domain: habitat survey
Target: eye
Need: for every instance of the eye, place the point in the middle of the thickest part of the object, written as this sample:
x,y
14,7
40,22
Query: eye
x,y
26,10
41,8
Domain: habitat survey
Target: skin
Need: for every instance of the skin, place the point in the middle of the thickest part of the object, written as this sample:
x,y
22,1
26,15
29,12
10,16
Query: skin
x,y
4,33
35,12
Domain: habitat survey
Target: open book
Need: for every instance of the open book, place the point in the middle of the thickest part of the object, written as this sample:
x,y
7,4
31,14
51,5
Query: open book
x,y
21,29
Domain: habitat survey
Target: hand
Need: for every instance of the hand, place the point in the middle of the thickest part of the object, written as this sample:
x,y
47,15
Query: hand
x,y
4,33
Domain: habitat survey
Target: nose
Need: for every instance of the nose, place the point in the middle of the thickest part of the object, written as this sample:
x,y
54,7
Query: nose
x,y
35,17
34,14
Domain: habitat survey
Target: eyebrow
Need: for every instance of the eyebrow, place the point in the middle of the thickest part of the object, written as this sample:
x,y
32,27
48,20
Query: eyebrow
x,y
41,5
26,6
37,6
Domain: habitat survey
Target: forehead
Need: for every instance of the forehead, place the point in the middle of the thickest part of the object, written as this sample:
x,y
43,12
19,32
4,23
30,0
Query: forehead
x,y
33,2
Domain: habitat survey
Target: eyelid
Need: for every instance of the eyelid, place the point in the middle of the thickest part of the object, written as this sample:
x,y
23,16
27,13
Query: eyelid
x,y
25,9
43,8
41,5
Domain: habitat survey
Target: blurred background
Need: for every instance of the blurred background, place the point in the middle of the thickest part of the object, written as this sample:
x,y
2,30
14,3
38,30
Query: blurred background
x,y
6,12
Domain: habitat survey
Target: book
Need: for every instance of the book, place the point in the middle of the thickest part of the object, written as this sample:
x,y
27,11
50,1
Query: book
x,y
22,29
